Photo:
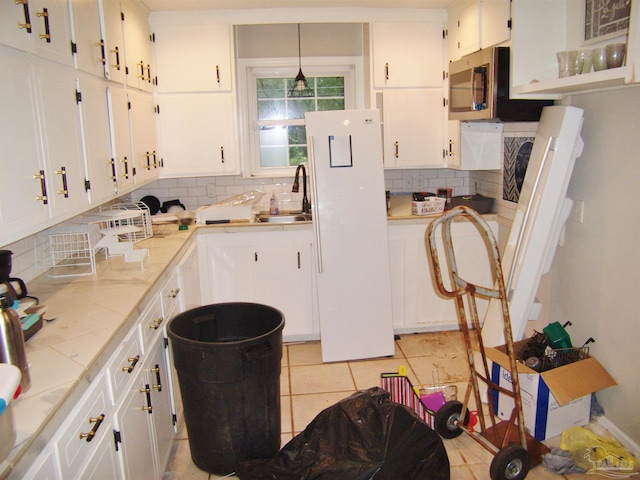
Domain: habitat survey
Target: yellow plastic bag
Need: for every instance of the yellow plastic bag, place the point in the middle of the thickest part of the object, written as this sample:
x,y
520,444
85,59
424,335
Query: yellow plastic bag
x,y
598,454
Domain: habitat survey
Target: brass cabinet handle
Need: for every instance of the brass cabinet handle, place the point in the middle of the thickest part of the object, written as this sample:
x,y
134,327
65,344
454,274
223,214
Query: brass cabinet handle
x,y
43,186
96,425
65,190
218,74
117,64
47,32
141,65
148,407
27,18
386,71
222,154
397,149
126,167
113,176
132,364
155,323
102,59
158,384
173,293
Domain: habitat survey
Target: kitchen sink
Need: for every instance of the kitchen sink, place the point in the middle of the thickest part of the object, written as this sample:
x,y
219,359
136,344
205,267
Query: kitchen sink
x,y
285,218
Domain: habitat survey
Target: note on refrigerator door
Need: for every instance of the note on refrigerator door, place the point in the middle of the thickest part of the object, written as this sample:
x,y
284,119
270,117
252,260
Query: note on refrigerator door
x,y
340,154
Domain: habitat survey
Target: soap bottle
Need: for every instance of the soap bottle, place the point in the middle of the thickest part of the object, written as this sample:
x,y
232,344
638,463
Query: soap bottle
x,y
273,204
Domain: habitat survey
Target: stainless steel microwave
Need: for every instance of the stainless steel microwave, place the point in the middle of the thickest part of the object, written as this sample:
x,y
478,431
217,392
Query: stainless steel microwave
x,y
479,89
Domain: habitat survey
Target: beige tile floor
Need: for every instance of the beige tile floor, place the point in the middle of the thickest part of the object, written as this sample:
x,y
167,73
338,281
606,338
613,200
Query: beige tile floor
x,y
308,386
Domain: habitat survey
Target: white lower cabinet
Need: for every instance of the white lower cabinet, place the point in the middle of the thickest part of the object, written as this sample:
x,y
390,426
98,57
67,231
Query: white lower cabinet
x,y
144,422
417,305
124,423
274,268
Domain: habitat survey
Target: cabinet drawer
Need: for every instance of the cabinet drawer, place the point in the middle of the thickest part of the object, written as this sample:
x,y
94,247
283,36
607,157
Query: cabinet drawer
x,y
124,364
83,431
170,296
151,323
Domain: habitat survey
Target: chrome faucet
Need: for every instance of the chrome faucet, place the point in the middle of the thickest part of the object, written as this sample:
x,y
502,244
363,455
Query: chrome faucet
x,y
306,206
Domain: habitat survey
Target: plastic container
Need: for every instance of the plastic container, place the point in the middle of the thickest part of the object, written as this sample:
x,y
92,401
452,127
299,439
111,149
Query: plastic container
x,y
557,336
228,358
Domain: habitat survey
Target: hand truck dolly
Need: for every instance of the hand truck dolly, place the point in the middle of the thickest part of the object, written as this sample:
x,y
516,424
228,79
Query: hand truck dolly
x,y
515,452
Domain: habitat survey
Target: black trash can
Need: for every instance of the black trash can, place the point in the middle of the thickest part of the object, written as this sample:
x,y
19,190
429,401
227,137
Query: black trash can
x,y
228,358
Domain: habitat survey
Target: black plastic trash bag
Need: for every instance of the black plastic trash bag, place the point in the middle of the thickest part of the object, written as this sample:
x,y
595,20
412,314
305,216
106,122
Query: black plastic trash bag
x,y
365,436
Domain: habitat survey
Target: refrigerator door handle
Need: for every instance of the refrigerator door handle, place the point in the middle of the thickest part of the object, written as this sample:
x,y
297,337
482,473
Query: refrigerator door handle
x,y
550,146
314,202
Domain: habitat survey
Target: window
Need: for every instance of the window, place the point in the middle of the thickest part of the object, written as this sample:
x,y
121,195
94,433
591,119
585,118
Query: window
x,y
282,134
277,139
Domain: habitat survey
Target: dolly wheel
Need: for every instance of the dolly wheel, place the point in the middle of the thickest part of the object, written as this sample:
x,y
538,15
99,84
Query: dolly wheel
x,y
510,463
446,418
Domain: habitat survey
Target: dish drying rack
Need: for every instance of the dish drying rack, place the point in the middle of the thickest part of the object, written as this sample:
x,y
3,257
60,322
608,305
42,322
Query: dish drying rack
x,y
130,222
67,250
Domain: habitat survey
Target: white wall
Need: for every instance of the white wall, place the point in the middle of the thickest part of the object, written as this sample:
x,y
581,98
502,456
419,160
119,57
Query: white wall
x,y
596,275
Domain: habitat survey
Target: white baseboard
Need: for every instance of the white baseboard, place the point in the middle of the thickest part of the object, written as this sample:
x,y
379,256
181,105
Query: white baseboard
x,y
622,437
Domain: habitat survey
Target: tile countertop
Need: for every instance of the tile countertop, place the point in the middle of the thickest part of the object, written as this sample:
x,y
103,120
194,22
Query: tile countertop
x,y
92,314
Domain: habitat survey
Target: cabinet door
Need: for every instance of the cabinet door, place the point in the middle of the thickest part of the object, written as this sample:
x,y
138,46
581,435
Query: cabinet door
x,y
193,57
113,41
413,128
87,36
495,23
79,439
408,54
230,270
97,139
469,29
158,378
22,206
137,41
133,423
122,166
291,265
38,26
61,132
44,468
143,137
453,147
197,135
105,463
189,279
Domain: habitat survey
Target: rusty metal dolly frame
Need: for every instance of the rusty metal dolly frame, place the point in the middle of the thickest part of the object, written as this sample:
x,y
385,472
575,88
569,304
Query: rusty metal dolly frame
x,y
514,450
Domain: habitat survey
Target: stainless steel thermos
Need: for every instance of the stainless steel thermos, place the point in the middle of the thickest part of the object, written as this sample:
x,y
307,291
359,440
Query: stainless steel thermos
x,y
12,348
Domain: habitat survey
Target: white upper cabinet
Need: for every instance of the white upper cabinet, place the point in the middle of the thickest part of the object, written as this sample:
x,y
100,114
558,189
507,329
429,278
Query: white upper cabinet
x,y
197,134
143,137
193,56
97,139
115,68
137,44
414,130
87,36
22,204
41,27
477,24
121,156
407,54
534,67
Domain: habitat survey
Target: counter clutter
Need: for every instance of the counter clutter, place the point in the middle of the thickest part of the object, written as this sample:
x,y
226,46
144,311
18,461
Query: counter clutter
x,y
91,316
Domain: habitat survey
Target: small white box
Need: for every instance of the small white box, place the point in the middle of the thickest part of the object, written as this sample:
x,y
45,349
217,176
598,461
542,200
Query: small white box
x,y
430,206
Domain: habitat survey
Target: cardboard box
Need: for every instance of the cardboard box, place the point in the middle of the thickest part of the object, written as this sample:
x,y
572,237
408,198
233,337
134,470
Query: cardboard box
x,y
552,401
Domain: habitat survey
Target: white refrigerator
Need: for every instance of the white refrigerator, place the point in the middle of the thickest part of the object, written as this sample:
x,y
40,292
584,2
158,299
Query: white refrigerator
x,y
538,223
350,227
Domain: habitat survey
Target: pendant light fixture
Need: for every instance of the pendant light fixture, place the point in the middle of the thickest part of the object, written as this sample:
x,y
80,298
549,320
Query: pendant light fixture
x,y
300,88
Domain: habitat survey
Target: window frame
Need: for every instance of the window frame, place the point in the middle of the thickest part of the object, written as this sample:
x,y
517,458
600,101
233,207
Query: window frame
x,y
250,69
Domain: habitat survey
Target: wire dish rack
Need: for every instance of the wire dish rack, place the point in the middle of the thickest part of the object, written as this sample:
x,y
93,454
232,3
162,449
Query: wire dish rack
x,y
130,222
67,250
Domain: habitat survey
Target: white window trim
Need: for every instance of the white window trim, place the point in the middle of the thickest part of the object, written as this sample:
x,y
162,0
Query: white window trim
x,y
249,69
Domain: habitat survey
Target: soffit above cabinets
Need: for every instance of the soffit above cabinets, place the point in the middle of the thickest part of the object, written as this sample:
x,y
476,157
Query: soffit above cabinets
x,y
159,5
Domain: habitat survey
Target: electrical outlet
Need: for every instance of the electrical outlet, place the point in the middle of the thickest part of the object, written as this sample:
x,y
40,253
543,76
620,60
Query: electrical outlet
x,y
579,211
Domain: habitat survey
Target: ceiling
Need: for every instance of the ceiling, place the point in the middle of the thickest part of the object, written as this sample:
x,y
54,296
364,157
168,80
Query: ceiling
x,y
157,5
